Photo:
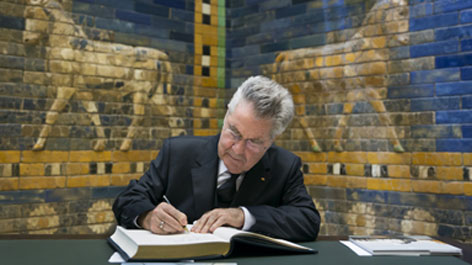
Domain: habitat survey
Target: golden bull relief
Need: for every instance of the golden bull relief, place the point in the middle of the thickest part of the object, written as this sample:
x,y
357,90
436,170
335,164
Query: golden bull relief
x,y
347,71
141,73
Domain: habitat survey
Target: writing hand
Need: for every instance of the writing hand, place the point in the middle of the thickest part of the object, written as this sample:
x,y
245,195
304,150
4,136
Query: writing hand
x,y
215,218
164,219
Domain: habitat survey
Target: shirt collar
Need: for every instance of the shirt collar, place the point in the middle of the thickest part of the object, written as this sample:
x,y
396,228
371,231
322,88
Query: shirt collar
x,y
221,167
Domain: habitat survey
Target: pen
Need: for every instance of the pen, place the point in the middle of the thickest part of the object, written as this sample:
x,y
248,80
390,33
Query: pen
x,y
167,200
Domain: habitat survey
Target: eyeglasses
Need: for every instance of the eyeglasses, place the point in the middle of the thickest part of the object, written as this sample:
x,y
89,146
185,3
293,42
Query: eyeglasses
x,y
254,145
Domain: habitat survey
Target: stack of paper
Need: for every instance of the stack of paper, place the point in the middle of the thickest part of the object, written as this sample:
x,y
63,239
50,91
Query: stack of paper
x,y
402,245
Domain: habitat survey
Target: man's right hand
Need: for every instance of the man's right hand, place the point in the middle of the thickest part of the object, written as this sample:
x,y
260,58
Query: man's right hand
x,y
164,219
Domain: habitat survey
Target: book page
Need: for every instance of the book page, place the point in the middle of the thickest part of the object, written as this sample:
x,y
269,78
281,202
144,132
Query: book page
x,y
144,237
227,232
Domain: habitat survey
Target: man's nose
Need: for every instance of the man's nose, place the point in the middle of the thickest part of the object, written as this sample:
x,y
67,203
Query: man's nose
x,y
239,146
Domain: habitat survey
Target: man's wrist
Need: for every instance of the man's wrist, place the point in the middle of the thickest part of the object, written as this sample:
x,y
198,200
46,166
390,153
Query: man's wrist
x,y
249,219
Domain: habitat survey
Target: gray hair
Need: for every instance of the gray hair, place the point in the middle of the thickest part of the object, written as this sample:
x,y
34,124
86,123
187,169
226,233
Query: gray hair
x,y
270,101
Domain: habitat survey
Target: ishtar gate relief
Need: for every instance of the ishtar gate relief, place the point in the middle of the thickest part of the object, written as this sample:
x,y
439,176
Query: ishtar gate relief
x,y
90,88
90,71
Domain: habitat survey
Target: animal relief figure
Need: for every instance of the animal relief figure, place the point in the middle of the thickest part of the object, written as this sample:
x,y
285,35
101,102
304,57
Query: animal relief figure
x,y
347,72
83,68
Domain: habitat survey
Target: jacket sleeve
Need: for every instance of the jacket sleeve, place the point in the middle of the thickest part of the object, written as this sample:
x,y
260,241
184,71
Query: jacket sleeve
x,y
296,218
144,194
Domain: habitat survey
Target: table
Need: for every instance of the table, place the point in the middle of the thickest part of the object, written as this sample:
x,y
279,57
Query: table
x,y
91,250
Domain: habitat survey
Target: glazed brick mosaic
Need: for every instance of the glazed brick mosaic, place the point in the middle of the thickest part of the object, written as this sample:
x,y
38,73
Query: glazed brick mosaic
x,y
90,88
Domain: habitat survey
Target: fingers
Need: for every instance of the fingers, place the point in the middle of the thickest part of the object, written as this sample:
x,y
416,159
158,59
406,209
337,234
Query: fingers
x,y
175,214
211,220
174,219
165,219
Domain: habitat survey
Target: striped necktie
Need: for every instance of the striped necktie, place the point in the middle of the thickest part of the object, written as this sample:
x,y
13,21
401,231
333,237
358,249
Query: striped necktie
x,y
226,191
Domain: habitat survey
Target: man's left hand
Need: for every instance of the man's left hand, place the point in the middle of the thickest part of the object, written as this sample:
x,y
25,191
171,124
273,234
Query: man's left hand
x,y
215,218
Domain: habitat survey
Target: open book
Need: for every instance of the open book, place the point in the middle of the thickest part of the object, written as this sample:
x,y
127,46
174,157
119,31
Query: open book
x,y
142,245
404,245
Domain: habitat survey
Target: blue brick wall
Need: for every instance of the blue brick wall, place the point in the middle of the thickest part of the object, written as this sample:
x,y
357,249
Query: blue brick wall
x,y
277,25
429,88
446,89
434,21
432,104
133,17
433,76
411,91
444,6
440,31
457,88
434,48
451,213
467,131
12,22
454,145
457,117
162,24
467,102
58,195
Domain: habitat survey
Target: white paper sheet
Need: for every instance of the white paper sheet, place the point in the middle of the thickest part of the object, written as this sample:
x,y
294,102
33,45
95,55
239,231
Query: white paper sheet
x,y
359,251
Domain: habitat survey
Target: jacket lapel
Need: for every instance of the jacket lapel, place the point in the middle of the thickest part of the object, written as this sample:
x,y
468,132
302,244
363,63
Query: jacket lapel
x,y
204,175
256,180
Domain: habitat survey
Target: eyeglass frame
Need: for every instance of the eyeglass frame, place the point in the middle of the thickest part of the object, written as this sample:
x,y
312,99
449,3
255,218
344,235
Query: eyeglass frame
x,y
250,144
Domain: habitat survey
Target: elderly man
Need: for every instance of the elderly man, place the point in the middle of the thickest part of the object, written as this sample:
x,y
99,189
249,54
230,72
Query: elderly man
x,y
238,178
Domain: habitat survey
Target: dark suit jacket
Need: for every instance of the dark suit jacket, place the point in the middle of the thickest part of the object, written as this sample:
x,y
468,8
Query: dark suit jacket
x,y
186,172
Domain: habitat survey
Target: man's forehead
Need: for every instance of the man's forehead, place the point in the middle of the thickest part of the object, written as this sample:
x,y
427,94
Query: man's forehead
x,y
257,129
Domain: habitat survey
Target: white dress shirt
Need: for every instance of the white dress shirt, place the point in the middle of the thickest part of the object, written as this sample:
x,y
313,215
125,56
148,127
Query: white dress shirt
x,y
223,176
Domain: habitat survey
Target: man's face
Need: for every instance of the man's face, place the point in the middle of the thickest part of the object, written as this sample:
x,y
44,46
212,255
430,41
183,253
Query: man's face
x,y
244,139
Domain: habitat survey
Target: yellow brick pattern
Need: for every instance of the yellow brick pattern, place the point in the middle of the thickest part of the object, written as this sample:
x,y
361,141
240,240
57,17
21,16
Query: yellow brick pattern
x,y
121,167
403,185
356,182
437,159
9,157
9,184
33,169
316,180
123,180
453,187
133,156
379,184
348,157
89,156
73,169
427,186
450,173
208,67
468,189
88,181
389,158
28,183
399,171
355,169
447,170
44,156
318,168
26,170
467,159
